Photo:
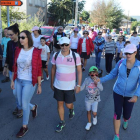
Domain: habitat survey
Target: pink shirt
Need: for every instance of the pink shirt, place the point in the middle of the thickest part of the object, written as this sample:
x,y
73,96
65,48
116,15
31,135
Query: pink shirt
x,y
92,35
65,77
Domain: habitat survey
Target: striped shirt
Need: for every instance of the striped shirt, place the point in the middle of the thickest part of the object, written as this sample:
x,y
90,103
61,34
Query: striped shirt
x,y
65,77
110,47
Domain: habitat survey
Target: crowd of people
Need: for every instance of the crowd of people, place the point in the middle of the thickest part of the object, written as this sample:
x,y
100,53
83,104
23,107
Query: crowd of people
x,y
26,56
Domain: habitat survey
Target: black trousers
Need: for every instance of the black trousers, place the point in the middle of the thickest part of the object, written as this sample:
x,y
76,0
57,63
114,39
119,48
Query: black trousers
x,y
108,61
118,57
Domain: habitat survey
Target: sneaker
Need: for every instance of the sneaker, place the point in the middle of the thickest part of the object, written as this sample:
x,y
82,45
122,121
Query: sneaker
x,y
22,132
19,113
47,78
83,69
95,120
34,112
116,137
125,125
71,113
60,126
7,79
15,111
88,126
42,79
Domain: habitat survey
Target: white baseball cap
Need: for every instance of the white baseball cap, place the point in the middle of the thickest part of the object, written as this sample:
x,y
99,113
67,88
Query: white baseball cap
x,y
63,40
130,48
35,28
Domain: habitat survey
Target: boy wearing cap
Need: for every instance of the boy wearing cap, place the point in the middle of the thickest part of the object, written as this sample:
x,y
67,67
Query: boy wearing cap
x,y
63,79
93,88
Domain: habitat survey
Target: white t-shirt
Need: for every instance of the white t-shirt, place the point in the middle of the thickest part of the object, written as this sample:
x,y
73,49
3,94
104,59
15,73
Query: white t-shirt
x,y
84,45
74,42
24,65
96,30
72,34
45,50
122,50
81,33
36,41
135,40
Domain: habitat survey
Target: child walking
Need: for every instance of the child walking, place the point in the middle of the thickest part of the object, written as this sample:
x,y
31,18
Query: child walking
x,y
45,56
93,88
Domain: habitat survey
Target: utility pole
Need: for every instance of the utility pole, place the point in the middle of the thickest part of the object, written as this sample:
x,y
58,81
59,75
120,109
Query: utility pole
x,y
0,26
8,17
127,21
76,13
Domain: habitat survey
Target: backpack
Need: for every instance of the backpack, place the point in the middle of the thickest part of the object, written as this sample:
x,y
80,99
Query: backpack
x,y
73,54
57,32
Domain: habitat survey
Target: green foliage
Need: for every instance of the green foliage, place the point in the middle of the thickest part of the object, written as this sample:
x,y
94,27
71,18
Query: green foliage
x,y
133,19
91,24
134,25
85,15
62,10
108,13
14,14
30,23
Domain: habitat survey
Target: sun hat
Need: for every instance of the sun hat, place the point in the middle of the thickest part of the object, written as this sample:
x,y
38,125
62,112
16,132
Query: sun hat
x,y
76,29
93,68
130,48
35,28
63,40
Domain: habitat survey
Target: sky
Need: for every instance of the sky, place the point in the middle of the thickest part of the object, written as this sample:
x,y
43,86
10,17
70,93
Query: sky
x,y
133,6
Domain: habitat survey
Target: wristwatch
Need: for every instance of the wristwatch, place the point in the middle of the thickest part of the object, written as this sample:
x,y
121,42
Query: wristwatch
x,y
78,86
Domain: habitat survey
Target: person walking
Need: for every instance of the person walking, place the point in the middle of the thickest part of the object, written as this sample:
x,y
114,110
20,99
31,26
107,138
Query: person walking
x,y
56,38
45,57
81,31
135,39
99,45
93,34
36,35
4,48
93,88
85,47
13,33
27,72
120,45
74,41
63,79
105,35
126,88
109,47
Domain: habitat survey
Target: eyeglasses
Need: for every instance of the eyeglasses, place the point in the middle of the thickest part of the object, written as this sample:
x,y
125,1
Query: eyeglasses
x,y
62,45
120,38
92,75
10,34
85,33
99,34
22,37
75,32
129,53
109,38
60,30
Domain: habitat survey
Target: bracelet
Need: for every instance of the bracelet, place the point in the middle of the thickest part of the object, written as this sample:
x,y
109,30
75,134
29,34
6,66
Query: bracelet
x,y
78,86
39,85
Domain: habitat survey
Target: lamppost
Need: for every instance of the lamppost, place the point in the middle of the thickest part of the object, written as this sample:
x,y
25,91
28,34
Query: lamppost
x,y
73,12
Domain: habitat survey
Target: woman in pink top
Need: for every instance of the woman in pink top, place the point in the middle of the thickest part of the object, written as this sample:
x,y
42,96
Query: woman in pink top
x,y
92,34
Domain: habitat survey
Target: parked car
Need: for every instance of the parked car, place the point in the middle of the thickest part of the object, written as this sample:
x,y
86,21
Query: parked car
x,y
48,32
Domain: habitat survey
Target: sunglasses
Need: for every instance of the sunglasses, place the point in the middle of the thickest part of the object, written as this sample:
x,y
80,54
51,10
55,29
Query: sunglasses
x,y
75,32
60,30
99,34
10,34
92,75
129,53
62,45
22,37
85,33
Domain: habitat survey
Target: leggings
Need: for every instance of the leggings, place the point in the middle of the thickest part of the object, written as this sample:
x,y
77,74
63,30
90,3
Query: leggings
x,y
121,104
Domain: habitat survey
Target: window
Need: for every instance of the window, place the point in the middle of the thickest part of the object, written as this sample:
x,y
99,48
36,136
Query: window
x,y
43,5
30,1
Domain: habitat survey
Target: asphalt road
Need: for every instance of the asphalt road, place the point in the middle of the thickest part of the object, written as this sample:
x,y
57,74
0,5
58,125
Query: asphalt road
x,y
43,126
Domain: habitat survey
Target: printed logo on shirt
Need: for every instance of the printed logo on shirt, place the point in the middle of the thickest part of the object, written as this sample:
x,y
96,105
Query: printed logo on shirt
x,y
69,59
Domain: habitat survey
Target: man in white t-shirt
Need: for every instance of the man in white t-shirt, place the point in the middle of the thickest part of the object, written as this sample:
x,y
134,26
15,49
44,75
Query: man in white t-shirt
x,y
81,31
96,29
135,39
45,56
63,79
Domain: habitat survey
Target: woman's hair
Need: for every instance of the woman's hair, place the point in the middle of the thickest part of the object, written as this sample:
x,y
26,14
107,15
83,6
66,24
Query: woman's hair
x,y
85,31
126,43
43,38
30,40
99,32
14,28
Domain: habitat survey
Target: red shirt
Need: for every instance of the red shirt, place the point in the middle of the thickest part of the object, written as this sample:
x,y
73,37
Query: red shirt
x,y
36,64
89,45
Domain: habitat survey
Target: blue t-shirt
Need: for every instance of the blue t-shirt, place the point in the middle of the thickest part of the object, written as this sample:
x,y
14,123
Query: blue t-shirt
x,y
4,42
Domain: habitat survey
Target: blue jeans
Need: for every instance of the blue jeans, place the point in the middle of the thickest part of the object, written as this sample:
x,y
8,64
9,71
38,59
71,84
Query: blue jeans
x,y
25,91
98,58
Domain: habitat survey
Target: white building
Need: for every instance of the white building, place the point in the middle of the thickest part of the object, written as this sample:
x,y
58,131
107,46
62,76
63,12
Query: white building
x,y
31,7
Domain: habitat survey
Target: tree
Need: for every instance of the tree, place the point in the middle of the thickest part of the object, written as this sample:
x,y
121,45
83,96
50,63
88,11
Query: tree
x,y
134,25
85,15
62,10
108,13
14,14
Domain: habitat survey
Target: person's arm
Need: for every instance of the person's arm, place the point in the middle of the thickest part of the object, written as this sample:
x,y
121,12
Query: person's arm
x,y
100,86
48,55
116,51
79,72
83,85
121,55
53,71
